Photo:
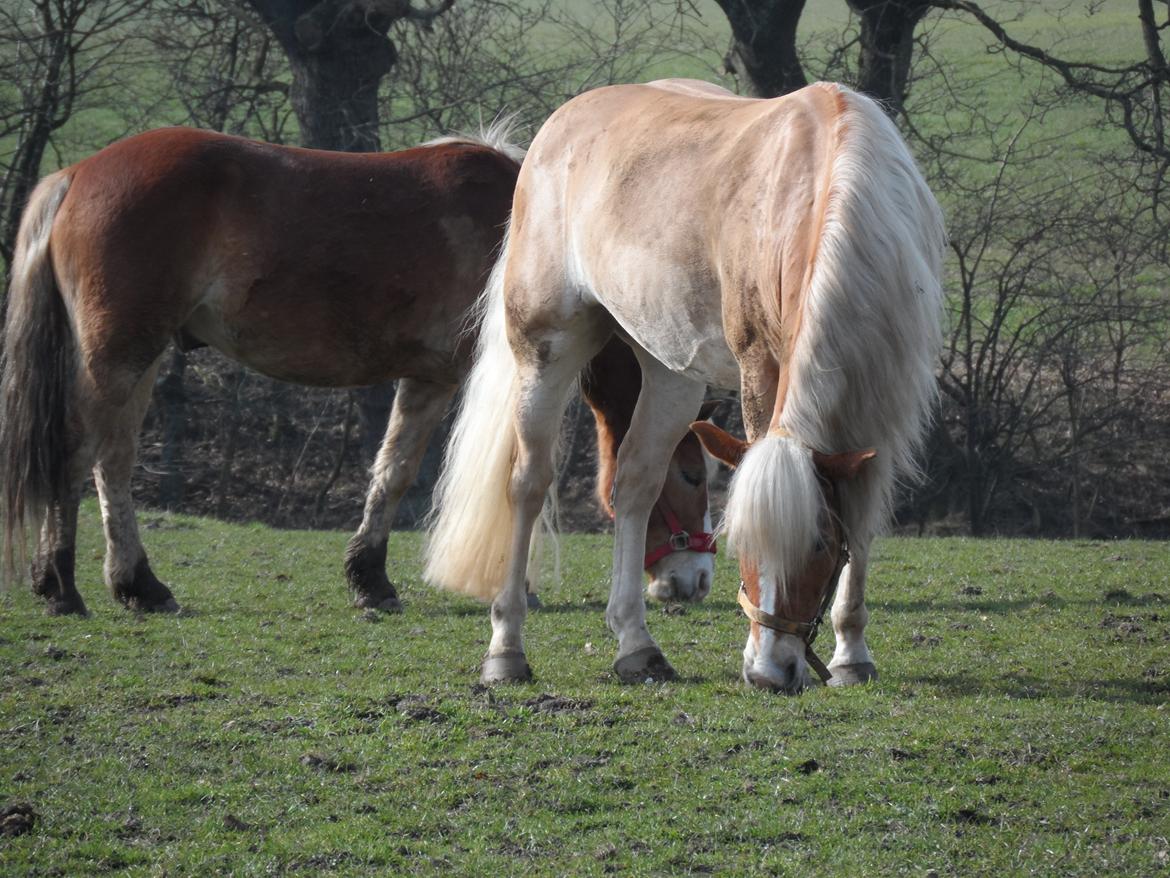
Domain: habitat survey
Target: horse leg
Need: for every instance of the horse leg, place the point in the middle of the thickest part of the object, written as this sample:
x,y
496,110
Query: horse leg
x,y
852,662
418,408
53,564
127,570
666,406
543,385
53,574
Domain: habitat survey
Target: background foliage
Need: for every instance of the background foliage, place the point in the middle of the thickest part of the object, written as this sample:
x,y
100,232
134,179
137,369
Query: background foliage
x,y
1039,125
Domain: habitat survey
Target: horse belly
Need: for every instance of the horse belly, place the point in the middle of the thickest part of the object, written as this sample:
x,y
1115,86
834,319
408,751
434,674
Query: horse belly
x,y
307,340
671,309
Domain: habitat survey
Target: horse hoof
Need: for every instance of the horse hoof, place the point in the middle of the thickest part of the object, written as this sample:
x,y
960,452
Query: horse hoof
x,y
384,603
506,667
534,602
647,663
58,607
853,675
170,605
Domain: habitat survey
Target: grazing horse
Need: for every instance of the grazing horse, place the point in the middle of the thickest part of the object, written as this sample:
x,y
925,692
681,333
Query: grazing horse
x,y
789,247
320,268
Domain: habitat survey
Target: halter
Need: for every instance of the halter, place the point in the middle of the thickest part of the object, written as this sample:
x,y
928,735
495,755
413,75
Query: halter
x,y
679,540
806,631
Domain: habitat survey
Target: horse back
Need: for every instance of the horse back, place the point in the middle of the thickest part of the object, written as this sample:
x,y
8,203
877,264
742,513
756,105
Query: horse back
x,y
311,266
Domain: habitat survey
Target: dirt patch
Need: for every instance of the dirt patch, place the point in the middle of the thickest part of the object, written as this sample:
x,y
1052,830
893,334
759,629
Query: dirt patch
x,y
415,707
328,763
920,639
971,817
547,703
18,818
1128,626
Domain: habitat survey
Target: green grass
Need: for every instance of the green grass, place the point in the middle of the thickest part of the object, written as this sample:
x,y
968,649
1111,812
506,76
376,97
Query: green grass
x,y
1019,727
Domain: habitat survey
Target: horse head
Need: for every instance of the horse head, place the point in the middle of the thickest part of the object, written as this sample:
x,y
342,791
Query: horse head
x,y
680,545
786,592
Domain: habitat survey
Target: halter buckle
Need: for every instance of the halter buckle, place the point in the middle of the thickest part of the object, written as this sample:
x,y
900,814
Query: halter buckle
x,y
680,541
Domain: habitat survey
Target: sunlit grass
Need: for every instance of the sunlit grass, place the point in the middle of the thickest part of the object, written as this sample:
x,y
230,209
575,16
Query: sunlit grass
x,y
1019,725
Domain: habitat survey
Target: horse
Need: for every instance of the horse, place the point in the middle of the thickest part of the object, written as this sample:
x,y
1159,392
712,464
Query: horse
x,y
318,268
788,247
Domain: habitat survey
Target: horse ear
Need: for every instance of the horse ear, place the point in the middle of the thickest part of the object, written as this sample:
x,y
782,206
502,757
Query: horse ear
x,y
720,443
844,466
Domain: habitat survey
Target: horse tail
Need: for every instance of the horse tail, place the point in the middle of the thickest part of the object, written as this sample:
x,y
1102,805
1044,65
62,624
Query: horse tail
x,y
469,533
38,368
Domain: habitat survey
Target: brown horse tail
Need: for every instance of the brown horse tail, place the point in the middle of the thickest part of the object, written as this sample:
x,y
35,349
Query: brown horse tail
x,y
38,363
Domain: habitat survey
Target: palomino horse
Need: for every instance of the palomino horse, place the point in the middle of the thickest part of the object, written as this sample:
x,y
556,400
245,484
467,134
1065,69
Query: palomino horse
x,y
327,269
787,246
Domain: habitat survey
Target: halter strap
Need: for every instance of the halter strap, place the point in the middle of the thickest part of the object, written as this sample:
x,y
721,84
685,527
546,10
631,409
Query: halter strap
x,y
679,540
806,631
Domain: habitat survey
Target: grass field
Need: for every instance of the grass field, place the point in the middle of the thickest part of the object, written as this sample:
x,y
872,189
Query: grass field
x,y
1020,726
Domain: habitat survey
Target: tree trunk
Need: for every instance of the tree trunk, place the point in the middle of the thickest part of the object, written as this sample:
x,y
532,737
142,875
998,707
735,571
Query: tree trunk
x,y
47,114
339,53
763,45
887,47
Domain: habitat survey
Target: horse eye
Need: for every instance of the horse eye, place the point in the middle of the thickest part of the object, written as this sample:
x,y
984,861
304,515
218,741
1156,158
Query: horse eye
x,y
692,480
821,546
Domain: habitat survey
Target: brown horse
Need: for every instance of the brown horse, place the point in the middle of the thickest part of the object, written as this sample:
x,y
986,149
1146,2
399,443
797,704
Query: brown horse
x,y
326,269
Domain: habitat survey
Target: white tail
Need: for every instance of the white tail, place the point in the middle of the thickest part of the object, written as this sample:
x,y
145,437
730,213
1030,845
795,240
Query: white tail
x,y
470,530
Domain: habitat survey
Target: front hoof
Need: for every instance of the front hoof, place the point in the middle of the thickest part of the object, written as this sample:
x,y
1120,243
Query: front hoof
x,y
66,607
144,593
506,667
534,602
853,675
142,605
645,664
386,603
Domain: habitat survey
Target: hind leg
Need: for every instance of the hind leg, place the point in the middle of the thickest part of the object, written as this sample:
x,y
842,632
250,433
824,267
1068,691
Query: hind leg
x,y
53,565
666,406
548,365
127,570
418,408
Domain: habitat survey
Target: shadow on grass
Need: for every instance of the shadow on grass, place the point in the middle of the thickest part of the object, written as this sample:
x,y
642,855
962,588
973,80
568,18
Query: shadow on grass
x,y
1040,601
1130,690
653,609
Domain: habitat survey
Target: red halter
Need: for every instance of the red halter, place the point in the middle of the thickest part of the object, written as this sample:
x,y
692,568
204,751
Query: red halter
x,y
679,540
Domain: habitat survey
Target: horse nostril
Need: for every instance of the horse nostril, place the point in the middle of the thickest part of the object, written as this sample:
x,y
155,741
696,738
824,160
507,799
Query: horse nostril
x,y
704,584
683,588
787,682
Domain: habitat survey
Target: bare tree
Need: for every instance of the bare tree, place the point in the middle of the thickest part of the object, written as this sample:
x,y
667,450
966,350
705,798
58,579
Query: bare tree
x,y
59,57
223,68
480,60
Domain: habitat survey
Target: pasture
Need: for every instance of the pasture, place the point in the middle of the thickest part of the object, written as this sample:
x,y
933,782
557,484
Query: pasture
x,y
1020,726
